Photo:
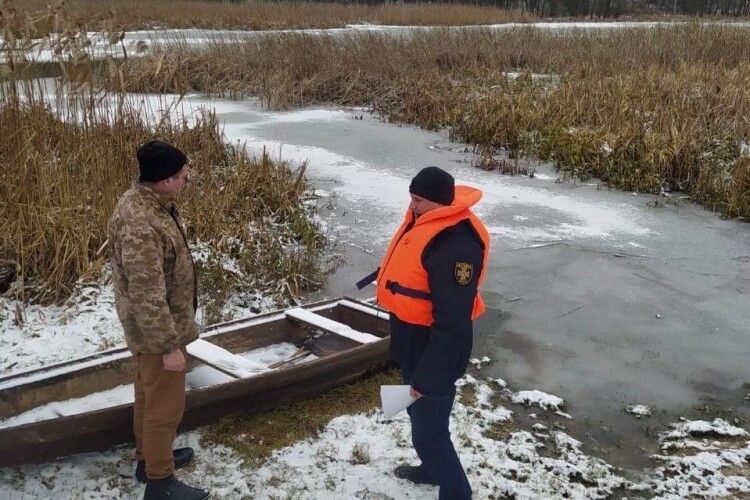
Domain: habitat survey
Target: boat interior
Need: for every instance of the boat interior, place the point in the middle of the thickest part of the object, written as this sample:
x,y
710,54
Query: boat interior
x,y
317,331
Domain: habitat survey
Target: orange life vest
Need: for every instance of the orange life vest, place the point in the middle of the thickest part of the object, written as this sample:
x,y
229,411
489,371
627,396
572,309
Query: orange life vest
x,y
403,288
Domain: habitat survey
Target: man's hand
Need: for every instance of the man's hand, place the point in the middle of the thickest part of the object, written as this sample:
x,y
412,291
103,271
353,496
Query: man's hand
x,y
174,361
414,393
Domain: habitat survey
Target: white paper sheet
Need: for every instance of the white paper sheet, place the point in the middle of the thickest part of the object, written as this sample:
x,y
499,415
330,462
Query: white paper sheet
x,y
394,398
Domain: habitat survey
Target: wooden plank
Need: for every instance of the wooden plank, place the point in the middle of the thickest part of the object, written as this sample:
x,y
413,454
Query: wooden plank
x,y
223,360
298,355
365,308
63,369
70,385
318,321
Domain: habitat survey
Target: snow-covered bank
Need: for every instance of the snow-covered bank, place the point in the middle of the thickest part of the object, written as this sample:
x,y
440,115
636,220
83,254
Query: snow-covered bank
x,y
40,335
34,335
702,459
353,456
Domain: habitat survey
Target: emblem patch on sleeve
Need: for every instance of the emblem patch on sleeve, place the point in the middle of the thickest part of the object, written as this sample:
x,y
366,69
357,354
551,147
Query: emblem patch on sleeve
x,y
463,272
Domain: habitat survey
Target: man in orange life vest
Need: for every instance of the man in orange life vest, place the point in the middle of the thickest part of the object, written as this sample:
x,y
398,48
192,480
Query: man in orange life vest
x,y
428,281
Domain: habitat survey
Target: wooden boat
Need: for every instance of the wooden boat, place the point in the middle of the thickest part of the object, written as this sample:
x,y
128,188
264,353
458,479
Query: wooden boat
x,y
336,342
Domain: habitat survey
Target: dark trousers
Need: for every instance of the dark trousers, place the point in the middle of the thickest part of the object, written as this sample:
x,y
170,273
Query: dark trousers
x,y
432,442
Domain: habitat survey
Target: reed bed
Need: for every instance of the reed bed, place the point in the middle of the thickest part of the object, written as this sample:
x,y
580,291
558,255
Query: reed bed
x,y
650,110
61,176
68,153
262,15
291,69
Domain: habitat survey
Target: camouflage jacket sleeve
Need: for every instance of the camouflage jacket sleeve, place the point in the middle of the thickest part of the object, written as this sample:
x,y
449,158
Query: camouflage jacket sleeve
x,y
143,264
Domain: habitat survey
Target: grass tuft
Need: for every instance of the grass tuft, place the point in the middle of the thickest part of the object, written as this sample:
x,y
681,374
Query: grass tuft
x,y
255,436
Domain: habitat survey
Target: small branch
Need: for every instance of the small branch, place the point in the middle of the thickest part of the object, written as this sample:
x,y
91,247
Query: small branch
x,y
301,353
101,248
570,312
541,245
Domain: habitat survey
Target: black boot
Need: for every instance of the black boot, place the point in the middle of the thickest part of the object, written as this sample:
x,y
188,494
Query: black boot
x,y
170,488
182,457
414,473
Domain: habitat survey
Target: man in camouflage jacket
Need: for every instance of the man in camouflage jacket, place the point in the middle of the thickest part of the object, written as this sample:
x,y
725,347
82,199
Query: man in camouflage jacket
x,y
156,297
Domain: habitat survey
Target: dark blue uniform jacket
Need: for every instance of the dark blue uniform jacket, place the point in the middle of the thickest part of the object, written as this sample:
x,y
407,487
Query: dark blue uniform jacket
x,y
433,358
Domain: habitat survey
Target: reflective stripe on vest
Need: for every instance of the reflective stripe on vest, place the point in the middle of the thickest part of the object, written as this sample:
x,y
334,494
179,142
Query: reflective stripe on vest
x,y
403,287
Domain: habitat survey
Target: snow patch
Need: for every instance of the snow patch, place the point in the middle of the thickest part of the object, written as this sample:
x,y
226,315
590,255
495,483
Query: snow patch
x,y
639,410
716,469
538,398
84,324
719,427
478,363
353,457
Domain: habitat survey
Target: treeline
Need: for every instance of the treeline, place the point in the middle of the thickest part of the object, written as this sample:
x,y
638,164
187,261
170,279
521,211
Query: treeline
x,y
613,8
598,8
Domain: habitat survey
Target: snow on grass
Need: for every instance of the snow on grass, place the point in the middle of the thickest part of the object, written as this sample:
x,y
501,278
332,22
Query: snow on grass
x,y
639,411
247,305
718,427
352,457
701,475
538,398
502,383
718,467
203,253
86,323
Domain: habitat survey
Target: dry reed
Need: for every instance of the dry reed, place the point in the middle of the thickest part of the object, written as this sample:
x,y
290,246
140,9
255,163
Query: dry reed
x,y
646,110
68,152
261,15
60,178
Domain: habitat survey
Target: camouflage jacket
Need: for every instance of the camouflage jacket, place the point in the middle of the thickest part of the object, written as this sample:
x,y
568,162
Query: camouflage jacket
x,y
153,272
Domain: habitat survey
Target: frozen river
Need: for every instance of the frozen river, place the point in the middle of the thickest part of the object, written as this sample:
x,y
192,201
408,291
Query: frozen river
x,y
594,295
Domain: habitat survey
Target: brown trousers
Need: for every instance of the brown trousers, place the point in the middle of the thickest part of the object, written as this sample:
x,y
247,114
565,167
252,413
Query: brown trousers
x,y
159,405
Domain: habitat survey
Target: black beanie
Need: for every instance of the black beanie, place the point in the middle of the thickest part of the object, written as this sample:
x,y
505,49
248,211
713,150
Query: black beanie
x,y
434,184
158,160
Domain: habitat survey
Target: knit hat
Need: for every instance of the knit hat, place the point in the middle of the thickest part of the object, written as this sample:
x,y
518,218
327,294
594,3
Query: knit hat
x,y
434,184
158,160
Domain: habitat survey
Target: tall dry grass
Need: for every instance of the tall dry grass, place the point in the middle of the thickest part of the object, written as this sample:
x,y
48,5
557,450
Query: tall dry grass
x,y
297,69
262,15
60,179
647,110
68,153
